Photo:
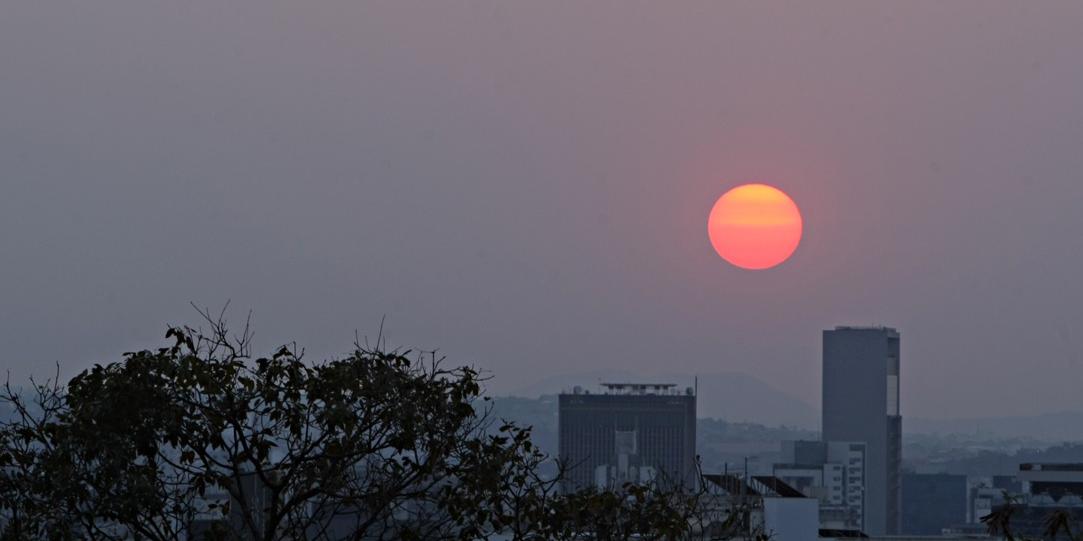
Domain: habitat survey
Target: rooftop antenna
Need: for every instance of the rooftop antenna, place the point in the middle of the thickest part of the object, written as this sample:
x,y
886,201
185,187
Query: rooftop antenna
x,y
696,384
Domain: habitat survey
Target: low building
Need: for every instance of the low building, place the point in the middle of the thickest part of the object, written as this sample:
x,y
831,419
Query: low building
x,y
1049,491
986,493
832,472
765,507
1057,481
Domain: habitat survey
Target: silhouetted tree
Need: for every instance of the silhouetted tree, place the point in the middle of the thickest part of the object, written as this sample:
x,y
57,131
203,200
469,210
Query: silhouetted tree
x,y
1058,522
379,445
999,521
634,511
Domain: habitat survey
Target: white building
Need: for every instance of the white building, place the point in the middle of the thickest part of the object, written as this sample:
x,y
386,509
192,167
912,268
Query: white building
x,y
628,468
791,519
765,506
833,473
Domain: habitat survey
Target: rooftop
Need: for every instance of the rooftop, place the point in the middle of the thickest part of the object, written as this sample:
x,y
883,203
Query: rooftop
x,y
653,386
865,328
1051,466
628,388
759,485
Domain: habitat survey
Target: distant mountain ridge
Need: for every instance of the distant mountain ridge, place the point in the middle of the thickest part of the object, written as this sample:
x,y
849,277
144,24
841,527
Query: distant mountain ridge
x,y
739,397
1060,426
734,396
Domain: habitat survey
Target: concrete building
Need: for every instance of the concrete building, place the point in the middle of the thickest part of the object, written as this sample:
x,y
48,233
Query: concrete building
x,y
932,503
988,492
1048,490
832,472
628,432
765,507
1058,482
861,403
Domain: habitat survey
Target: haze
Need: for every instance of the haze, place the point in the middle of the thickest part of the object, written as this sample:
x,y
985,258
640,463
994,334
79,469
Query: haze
x,y
526,187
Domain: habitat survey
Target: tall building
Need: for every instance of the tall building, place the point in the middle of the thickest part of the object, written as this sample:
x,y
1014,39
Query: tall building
x,y
628,433
832,472
861,403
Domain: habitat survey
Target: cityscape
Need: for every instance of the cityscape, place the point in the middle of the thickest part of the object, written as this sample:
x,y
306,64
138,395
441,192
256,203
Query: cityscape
x,y
478,270
850,483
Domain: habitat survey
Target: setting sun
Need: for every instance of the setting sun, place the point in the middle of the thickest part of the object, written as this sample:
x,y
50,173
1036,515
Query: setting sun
x,y
755,226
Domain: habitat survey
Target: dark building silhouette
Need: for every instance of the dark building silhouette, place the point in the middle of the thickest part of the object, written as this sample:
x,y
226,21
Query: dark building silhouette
x,y
932,502
861,403
628,433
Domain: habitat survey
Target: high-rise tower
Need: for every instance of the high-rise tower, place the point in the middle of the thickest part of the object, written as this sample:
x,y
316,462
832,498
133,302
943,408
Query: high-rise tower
x,y
861,403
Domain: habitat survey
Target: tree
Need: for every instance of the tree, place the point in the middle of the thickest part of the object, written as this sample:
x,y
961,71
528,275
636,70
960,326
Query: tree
x,y
199,439
1058,523
999,521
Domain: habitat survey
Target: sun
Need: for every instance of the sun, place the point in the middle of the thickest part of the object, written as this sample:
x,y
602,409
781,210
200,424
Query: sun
x,y
755,226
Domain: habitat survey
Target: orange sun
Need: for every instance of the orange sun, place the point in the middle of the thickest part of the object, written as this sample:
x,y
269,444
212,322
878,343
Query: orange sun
x,y
755,226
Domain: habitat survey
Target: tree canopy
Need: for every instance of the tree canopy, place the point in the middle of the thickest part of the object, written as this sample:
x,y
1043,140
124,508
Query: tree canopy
x,y
198,439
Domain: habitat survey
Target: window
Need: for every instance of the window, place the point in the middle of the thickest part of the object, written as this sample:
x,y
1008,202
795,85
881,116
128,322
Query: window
x,y
893,394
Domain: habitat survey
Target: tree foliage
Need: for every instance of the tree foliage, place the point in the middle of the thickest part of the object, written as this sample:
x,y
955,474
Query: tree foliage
x,y
199,439
1055,523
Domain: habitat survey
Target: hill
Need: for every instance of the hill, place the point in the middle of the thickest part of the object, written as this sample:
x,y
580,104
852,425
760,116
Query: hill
x,y
733,396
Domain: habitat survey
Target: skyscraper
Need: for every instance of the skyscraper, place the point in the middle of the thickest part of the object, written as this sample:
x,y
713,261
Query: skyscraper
x,y
628,433
861,403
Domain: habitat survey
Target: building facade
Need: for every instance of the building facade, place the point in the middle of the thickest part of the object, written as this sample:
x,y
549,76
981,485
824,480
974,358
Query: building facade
x,y
861,404
832,472
628,433
1049,490
932,503
989,492
1054,481
765,508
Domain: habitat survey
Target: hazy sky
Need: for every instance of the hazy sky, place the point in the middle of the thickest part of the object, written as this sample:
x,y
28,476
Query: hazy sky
x,y
526,186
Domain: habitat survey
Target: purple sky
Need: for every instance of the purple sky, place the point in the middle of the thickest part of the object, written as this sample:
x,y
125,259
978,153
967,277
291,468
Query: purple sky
x,y
526,187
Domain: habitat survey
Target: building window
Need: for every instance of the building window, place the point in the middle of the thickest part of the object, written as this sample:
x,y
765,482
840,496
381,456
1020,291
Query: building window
x,y
893,395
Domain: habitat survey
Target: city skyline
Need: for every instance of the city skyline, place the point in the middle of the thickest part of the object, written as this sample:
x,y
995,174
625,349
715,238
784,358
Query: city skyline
x,y
513,271
526,189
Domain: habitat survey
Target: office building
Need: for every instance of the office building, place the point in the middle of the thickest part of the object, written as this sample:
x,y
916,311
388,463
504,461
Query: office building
x,y
1053,482
1048,490
861,404
987,493
628,433
832,472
